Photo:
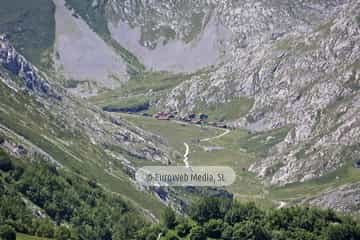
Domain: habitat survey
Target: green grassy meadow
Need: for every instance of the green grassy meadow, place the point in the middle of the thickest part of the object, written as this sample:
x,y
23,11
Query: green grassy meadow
x,y
21,236
240,149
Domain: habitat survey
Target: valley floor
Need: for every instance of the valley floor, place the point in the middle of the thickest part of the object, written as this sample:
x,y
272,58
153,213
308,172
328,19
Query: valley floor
x,y
196,145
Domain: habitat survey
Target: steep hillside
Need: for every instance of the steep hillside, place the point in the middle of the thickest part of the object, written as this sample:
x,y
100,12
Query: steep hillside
x,y
291,64
47,121
305,77
38,199
282,77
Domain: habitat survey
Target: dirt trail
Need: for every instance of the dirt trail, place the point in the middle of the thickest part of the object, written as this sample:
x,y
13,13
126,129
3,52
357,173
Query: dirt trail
x,y
282,204
226,132
186,155
187,148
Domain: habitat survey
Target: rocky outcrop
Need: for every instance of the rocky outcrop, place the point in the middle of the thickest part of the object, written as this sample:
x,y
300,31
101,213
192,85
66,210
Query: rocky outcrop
x,y
20,67
343,199
299,61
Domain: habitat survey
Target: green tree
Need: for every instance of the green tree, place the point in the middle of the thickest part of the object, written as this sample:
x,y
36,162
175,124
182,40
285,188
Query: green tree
x,y
171,236
183,228
45,229
7,232
168,218
148,232
343,232
206,209
63,233
151,236
5,162
294,234
250,230
227,232
197,233
241,212
214,228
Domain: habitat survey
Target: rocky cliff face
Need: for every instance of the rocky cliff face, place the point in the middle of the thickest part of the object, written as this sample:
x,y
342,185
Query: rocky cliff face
x,y
176,36
19,66
343,199
299,61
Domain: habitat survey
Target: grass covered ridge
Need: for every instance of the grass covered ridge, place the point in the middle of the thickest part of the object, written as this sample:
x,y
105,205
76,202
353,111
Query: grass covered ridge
x,y
31,28
22,114
230,110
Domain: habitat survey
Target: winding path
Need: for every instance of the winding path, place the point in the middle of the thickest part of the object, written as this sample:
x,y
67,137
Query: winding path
x,y
282,204
186,155
226,132
187,148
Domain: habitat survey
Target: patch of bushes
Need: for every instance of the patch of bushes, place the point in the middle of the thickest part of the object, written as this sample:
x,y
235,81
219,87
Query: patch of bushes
x,y
215,218
88,211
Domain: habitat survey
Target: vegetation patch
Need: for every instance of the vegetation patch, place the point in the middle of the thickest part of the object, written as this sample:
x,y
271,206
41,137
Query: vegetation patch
x,y
196,26
130,105
140,92
151,34
23,114
230,110
72,83
217,218
88,211
30,25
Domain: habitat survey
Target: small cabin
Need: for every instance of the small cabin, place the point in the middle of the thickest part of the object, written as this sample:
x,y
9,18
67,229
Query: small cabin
x,y
164,116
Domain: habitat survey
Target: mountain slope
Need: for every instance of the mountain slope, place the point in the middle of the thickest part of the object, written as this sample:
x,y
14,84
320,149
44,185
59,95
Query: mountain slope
x,y
83,57
296,63
306,78
283,75
48,121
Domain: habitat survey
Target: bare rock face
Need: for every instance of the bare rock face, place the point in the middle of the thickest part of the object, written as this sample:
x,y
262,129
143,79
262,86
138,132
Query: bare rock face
x,y
18,65
176,36
343,199
299,61
83,56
